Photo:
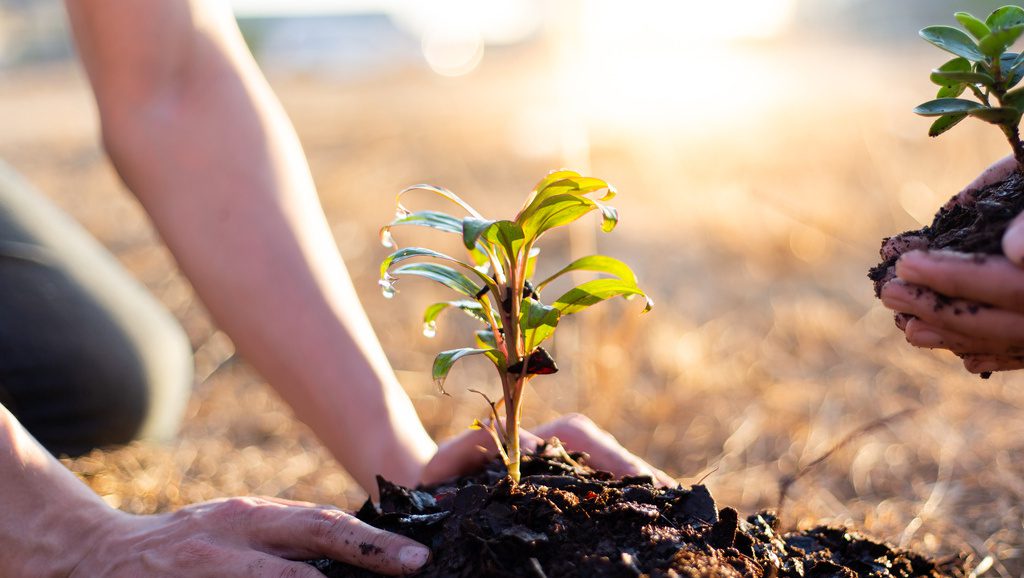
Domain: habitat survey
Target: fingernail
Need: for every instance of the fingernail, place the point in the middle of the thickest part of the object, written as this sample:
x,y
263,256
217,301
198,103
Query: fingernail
x,y
412,557
985,367
926,338
895,302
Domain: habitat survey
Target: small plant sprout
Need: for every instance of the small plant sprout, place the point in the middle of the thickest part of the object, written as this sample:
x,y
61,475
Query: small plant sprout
x,y
494,283
985,68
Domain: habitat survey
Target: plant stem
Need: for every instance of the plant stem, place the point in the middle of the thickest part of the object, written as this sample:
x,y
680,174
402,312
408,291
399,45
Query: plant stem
x,y
1011,131
512,429
1013,135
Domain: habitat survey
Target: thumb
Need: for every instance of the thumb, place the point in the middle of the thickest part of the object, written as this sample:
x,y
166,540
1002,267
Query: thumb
x,y
1013,240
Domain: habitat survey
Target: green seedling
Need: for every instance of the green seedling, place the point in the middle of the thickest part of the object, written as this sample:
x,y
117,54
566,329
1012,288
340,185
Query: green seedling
x,y
985,68
495,284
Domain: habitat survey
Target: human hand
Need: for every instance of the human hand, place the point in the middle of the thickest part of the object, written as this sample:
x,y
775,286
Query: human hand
x,y
972,305
470,450
979,315
244,537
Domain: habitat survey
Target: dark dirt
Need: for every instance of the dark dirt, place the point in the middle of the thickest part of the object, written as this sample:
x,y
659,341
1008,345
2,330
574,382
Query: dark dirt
x,y
976,227
565,522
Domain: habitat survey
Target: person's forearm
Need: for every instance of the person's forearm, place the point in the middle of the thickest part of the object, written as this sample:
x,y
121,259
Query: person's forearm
x,y
49,518
217,165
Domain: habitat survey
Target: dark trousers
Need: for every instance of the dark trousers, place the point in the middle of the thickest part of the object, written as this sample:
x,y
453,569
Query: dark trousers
x,y
87,357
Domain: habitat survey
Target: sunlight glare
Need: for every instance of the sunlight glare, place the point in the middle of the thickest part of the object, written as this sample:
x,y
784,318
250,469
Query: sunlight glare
x,y
650,62
453,51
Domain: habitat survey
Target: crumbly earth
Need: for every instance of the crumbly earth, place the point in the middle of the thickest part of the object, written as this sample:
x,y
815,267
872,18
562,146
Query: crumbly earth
x,y
566,521
976,227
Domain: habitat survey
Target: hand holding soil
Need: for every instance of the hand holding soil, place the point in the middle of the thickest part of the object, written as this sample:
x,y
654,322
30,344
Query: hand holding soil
x,y
969,303
248,537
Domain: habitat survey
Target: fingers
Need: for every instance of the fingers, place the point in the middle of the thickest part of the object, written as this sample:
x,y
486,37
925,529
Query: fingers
x,y
954,315
994,173
990,363
920,334
300,532
900,244
265,566
579,433
1013,241
988,279
466,453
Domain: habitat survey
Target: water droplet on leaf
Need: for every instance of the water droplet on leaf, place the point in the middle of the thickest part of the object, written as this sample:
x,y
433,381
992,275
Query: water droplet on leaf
x,y
387,288
429,329
386,239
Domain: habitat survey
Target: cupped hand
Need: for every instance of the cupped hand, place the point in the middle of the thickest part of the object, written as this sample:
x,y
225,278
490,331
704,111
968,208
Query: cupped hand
x,y
470,450
244,537
979,315
972,305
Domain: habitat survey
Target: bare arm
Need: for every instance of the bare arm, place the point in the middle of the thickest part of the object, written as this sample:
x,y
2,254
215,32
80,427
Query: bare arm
x,y
199,138
53,526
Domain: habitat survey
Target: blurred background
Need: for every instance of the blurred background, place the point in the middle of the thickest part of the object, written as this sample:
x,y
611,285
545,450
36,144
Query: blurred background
x,y
761,150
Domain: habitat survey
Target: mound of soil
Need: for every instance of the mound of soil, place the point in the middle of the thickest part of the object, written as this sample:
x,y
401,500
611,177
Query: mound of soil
x,y
976,227
566,521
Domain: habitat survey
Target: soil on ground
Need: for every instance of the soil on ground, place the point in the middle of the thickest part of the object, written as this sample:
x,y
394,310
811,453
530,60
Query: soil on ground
x,y
565,520
967,227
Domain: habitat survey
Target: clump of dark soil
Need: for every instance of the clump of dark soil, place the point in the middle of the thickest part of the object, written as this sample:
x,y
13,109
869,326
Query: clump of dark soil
x,y
566,521
971,227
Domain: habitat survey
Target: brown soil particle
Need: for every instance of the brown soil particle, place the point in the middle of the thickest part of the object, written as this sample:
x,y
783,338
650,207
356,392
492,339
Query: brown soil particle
x,y
976,228
565,522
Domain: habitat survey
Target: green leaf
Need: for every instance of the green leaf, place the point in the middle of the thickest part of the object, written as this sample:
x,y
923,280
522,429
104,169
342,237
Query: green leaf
x,y
941,106
555,212
531,262
538,321
472,228
574,185
446,359
592,292
485,339
945,122
433,220
953,40
997,115
438,191
609,217
597,263
954,65
508,235
999,40
976,27
1014,98
951,91
1005,17
442,274
953,78
412,252
472,308
1013,69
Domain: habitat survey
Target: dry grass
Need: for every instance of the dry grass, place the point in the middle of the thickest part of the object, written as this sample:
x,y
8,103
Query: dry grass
x,y
753,233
